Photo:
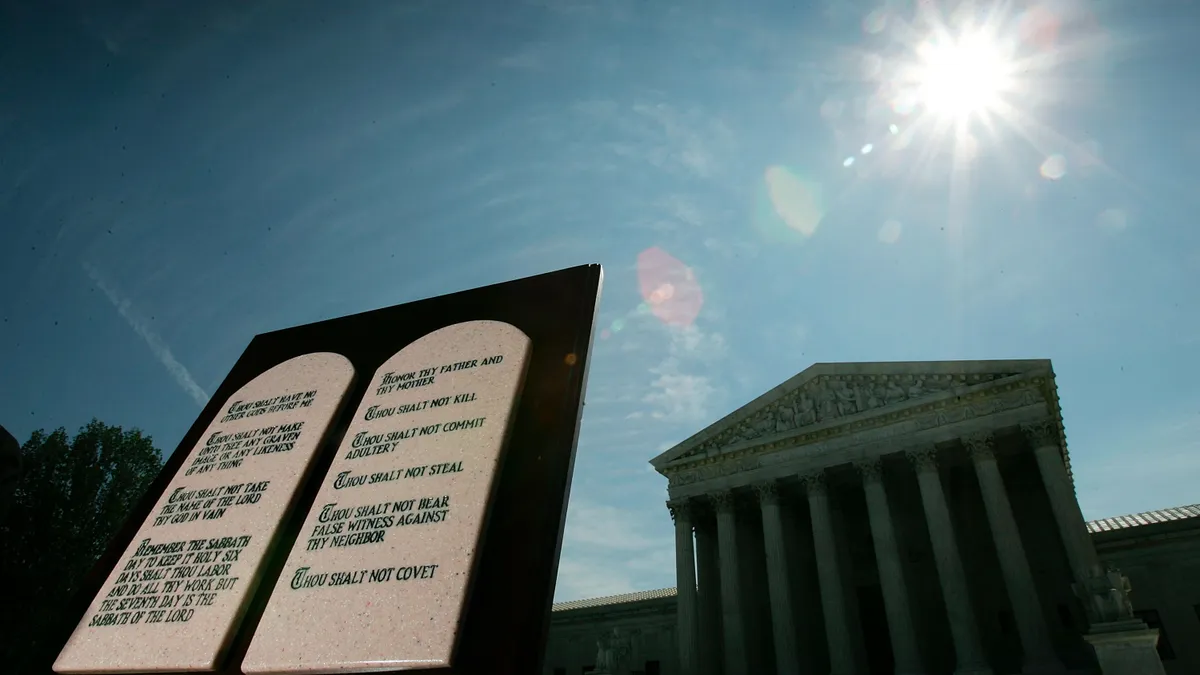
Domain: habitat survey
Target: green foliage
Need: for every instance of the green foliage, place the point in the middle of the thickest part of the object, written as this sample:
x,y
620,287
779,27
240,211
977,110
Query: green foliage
x,y
72,497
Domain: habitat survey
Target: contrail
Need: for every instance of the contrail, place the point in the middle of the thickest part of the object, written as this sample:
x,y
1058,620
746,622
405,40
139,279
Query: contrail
x,y
182,377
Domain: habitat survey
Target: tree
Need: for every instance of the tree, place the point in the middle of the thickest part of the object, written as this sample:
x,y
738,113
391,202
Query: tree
x,y
72,497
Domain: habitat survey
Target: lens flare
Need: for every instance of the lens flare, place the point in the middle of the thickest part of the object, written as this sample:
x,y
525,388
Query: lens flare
x,y
1039,27
1054,168
903,103
890,232
669,287
794,200
875,22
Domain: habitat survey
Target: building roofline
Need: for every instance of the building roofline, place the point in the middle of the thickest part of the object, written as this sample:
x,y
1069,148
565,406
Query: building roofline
x,y
1135,520
608,600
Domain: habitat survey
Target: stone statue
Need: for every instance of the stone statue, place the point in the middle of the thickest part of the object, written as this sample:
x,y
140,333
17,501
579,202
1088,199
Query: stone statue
x,y
806,413
612,653
916,388
619,649
603,657
785,417
1106,597
875,396
847,403
826,405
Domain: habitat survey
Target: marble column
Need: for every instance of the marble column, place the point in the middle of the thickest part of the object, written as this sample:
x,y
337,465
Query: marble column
x,y
1081,552
1014,565
685,585
906,654
732,614
783,623
833,599
709,589
968,650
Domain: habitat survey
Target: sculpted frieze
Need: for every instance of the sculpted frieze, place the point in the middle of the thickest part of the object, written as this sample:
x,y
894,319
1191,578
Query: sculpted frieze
x,y
871,430
830,397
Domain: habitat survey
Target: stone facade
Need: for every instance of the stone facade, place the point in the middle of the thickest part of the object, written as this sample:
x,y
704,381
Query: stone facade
x,y
1160,553
646,618
880,518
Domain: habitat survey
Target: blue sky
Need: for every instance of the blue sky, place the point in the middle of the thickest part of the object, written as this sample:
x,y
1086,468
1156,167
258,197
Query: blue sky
x,y
174,182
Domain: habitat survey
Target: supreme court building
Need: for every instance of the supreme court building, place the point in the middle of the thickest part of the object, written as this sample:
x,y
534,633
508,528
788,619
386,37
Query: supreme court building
x,y
897,518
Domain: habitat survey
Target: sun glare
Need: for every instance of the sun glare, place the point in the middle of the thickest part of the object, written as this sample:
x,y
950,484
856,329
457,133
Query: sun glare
x,y
959,79
963,76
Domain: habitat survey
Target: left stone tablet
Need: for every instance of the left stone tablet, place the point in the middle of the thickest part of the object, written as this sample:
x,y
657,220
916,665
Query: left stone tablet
x,y
175,598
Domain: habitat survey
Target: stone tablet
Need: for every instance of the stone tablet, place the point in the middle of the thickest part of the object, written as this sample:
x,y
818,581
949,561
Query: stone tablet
x,y
379,575
175,598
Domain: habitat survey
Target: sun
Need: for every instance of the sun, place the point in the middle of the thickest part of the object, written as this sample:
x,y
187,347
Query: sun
x,y
963,78
957,77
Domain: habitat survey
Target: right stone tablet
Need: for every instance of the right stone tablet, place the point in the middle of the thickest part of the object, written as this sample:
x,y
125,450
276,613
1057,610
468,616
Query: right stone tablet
x,y
380,573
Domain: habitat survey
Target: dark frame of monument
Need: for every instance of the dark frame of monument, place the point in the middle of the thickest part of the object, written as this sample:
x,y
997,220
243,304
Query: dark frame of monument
x,y
505,621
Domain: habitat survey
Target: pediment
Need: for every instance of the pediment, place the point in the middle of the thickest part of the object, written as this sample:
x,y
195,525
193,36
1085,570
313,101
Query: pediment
x,y
827,394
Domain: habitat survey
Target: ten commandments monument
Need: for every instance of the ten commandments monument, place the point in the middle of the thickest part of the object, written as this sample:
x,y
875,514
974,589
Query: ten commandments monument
x,y
383,492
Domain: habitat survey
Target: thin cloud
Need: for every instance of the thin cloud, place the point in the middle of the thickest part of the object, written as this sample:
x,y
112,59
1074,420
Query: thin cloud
x,y
678,393
607,527
695,139
681,141
579,578
683,209
679,397
609,550
138,323
529,57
